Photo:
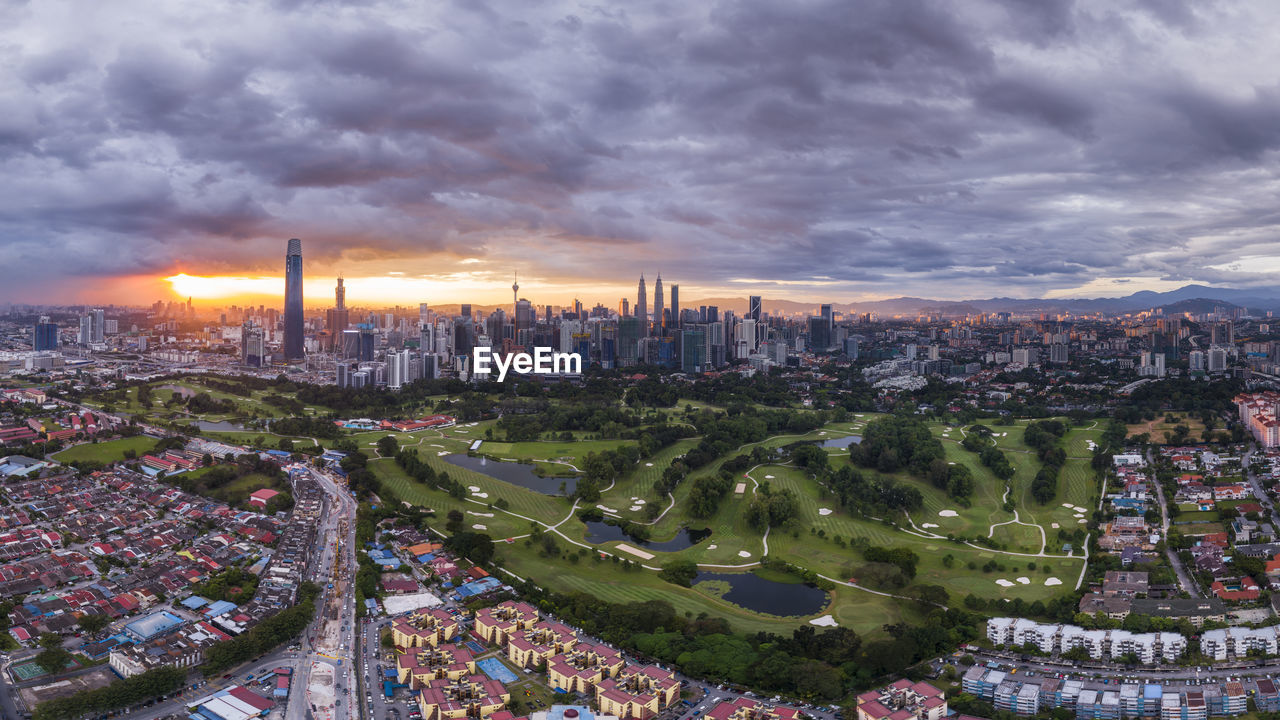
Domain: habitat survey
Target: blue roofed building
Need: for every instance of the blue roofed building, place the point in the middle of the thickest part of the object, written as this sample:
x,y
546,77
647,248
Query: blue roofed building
x,y
149,626
194,602
219,608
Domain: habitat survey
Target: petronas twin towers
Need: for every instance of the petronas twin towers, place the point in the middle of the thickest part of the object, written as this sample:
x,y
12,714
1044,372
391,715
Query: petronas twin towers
x,y
642,303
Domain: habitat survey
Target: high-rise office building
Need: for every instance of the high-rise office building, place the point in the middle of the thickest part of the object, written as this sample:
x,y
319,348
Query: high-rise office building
x,y
629,334
624,308
253,346
675,307
693,350
525,318
293,301
642,308
820,336
349,345
368,342
657,304
44,336
755,308
465,311
337,319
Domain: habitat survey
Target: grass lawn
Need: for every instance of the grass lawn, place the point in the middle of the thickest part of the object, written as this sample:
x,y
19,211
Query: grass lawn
x,y
1197,529
570,452
1197,516
1158,427
107,452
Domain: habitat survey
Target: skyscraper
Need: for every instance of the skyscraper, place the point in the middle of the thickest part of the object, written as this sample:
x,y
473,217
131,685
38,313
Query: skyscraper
x,y
44,336
253,348
657,304
99,326
624,308
755,309
675,306
293,301
642,308
337,319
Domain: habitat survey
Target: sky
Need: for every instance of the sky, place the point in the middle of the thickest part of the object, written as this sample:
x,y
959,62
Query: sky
x,y
798,149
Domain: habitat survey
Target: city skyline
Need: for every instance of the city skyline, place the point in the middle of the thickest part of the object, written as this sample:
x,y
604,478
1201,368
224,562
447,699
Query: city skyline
x,y
1063,149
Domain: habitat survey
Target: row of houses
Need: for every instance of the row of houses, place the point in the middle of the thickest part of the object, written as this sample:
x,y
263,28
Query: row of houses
x,y
1092,700
1055,639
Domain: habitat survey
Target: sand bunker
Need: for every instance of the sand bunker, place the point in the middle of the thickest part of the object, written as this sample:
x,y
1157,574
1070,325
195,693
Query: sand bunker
x,y
481,495
473,512
478,526
442,453
473,488
648,464
824,621
1004,583
948,513
929,525
1052,581
743,553
634,508
824,511
1082,521
635,551
1024,581
606,509
711,547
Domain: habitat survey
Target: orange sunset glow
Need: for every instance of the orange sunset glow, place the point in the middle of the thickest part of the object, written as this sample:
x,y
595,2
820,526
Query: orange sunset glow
x,y
382,290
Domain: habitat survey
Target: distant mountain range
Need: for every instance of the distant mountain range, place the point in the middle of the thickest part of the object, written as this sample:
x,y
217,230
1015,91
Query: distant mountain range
x,y
1189,298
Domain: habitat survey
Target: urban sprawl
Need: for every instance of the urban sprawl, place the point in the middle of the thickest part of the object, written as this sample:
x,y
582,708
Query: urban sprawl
x,y
745,512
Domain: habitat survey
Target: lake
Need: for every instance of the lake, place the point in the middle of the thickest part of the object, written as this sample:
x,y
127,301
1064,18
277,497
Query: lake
x,y
842,442
515,473
771,597
599,531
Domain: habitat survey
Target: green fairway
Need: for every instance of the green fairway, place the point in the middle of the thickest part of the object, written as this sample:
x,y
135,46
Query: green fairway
x,y
107,452
568,452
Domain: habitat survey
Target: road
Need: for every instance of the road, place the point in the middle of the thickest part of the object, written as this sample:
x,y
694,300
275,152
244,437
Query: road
x,y
1185,580
1259,492
331,637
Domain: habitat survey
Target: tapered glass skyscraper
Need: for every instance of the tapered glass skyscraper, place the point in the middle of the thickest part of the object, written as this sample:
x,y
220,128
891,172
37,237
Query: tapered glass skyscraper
x,y
293,301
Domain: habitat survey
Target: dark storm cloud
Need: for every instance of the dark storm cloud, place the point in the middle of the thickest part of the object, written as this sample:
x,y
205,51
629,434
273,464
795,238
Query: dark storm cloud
x,y
887,146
